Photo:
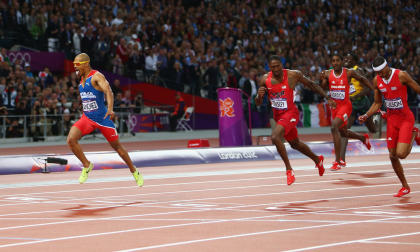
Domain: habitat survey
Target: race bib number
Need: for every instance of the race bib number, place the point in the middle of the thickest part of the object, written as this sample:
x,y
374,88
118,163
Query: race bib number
x,y
279,103
352,89
90,106
394,103
338,94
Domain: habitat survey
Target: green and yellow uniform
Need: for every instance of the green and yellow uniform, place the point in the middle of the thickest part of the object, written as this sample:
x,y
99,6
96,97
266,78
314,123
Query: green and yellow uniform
x,y
360,104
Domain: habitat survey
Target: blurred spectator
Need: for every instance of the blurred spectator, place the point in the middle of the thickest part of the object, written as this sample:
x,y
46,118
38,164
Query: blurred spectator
x,y
212,75
198,48
150,64
9,95
138,103
77,40
177,77
115,87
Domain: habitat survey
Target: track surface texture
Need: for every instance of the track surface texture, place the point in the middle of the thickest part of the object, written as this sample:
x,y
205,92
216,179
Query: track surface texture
x,y
243,206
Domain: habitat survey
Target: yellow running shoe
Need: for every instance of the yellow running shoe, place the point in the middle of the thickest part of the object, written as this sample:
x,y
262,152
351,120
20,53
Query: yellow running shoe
x,y
85,172
138,177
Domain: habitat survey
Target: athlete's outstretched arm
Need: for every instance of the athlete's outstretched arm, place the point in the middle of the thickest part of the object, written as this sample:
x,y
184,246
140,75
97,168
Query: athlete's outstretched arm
x,y
106,88
314,87
261,90
324,79
361,78
406,79
376,105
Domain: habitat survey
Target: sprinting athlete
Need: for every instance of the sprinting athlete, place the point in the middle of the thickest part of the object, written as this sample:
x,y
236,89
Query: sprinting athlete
x,y
338,80
359,100
280,83
392,84
94,88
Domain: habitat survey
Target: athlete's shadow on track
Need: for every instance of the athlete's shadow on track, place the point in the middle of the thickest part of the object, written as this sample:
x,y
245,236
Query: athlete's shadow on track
x,y
357,182
86,210
296,207
408,205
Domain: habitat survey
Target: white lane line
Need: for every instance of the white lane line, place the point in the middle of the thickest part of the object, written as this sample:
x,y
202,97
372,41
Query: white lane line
x,y
20,238
168,213
194,174
190,224
148,186
231,197
213,181
396,243
189,211
243,235
353,241
204,190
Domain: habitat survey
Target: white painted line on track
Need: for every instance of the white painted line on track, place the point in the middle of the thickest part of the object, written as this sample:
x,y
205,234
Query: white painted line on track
x,y
283,203
215,189
244,235
237,196
353,241
395,243
190,224
195,174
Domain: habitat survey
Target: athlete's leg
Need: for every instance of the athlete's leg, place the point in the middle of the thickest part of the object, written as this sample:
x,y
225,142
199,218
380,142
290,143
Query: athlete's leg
x,y
304,149
277,139
344,132
404,148
370,125
116,145
345,140
396,165
336,124
73,141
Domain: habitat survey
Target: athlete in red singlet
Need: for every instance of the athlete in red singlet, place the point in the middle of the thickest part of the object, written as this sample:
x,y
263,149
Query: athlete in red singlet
x,y
400,132
338,79
280,83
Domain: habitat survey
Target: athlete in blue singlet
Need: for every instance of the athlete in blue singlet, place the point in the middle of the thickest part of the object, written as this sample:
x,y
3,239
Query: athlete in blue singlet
x,y
94,89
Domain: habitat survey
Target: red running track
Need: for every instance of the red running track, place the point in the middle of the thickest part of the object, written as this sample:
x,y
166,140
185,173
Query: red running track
x,y
215,207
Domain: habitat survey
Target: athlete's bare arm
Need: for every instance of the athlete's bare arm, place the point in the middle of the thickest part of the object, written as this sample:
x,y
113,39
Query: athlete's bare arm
x,y
261,90
323,80
299,77
353,74
376,105
100,83
406,79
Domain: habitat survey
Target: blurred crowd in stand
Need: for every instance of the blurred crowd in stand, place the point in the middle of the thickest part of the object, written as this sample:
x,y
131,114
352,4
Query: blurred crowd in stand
x,y
197,46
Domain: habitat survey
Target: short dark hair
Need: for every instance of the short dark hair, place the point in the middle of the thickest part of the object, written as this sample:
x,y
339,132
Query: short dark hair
x,y
337,54
353,55
378,61
275,57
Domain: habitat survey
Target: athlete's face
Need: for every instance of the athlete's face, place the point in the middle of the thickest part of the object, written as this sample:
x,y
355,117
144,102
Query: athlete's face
x,y
336,63
80,66
348,61
384,73
276,67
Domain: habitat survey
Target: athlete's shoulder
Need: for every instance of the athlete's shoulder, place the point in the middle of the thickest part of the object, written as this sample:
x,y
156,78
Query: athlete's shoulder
x,y
292,72
263,79
97,75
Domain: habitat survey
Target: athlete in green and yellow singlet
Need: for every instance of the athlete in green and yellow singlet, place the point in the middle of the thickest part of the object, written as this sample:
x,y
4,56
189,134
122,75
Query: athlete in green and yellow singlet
x,y
359,100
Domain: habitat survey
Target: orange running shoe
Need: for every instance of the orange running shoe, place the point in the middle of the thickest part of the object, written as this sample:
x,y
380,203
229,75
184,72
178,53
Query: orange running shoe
x,y
417,138
290,177
367,142
342,164
320,165
335,167
403,191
